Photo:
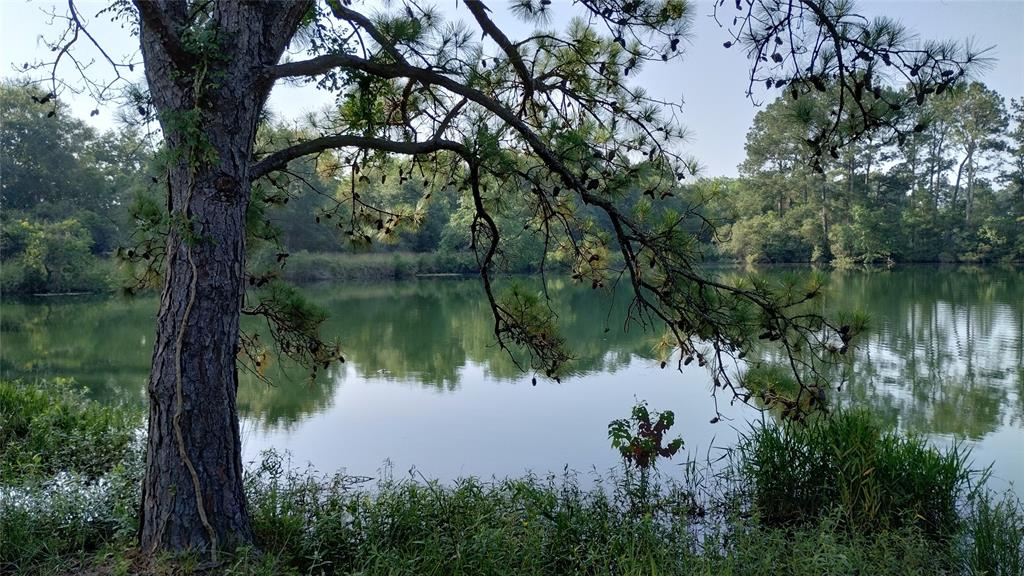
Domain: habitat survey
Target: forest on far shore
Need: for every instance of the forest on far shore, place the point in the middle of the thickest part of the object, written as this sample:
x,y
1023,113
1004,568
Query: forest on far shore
x,y
78,205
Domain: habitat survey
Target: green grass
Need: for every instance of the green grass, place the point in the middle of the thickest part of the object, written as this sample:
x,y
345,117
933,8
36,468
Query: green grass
x,y
70,471
877,479
994,542
528,525
821,514
48,427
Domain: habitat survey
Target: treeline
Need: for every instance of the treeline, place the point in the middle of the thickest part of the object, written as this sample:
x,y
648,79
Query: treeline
x,y
66,192
944,184
82,210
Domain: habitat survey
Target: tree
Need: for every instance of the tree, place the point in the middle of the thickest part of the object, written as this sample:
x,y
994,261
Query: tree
x,y
39,151
925,194
55,167
1013,172
552,118
48,256
981,120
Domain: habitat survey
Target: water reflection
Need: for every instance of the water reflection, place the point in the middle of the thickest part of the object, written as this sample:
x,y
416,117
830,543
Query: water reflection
x,y
426,333
945,350
944,355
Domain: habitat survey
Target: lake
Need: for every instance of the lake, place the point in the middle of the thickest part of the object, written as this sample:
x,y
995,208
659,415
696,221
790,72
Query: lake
x,y
425,388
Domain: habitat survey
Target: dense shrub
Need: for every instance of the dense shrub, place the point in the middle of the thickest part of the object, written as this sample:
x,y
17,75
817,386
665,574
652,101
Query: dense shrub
x,y
50,257
70,473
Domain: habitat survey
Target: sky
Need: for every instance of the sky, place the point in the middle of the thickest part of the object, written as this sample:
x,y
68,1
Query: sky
x,y
710,80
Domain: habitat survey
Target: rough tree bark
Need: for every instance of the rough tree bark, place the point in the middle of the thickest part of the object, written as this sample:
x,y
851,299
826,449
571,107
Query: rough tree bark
x,y
192,493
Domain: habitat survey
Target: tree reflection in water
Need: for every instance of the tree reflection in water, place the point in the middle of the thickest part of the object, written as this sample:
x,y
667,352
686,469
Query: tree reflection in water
x,y
943,353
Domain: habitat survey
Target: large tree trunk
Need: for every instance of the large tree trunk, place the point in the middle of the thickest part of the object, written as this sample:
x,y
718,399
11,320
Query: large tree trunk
x,y
193,496
209,100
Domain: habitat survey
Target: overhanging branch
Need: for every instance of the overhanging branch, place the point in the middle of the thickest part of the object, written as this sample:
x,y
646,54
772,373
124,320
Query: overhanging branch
x,y
281,158
328,62
363,22
480,14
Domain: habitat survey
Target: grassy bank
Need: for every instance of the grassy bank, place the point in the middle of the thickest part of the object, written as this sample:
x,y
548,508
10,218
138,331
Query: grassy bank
x,y
844,496
319,266
299,267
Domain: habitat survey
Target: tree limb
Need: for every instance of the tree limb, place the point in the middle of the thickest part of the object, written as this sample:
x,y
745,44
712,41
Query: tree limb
x,y
327,62
155,18
281,158
480,13
354,17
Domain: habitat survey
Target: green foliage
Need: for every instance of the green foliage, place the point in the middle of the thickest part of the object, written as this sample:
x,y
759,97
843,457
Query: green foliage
x,y
518,526
294,323
70,471
870,237
640,438
768,238
56,525
526,320
924,195
822,547
39,152
50,257
875,479
994,544
64,194
313,267
49,427
774,388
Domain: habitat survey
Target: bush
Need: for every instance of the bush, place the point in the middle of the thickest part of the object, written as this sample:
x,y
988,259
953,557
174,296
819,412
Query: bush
x,y
56,520
51,257
769,237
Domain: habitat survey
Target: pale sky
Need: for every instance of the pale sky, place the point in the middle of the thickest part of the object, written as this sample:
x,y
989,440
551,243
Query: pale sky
x,y
710,80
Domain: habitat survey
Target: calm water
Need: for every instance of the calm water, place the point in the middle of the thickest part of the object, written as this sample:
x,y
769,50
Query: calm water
x,y
425,387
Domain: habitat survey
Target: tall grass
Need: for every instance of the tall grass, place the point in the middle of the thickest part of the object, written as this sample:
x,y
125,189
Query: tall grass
x,y
993,543
877,479
48,426
545,526
70,471
528,525
842,496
